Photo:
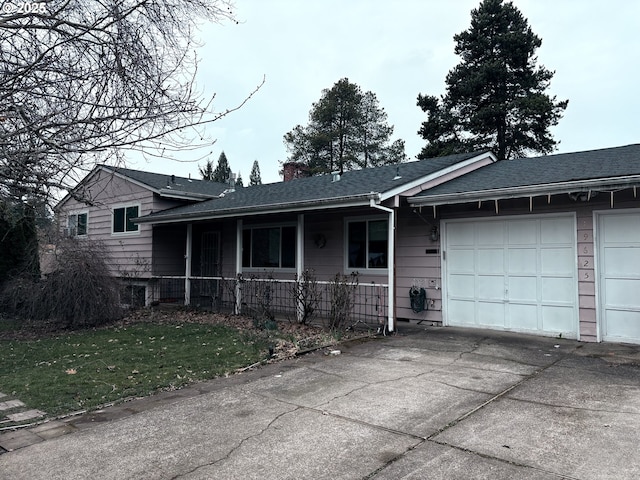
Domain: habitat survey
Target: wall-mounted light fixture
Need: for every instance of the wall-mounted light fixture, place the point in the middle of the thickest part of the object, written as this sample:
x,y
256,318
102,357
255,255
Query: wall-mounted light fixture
x,y
435,234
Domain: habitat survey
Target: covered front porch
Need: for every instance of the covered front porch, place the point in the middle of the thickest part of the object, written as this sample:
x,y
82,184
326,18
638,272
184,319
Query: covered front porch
x,y
292,266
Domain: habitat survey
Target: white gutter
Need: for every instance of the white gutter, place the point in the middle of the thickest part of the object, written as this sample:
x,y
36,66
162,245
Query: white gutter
x,y
526,191
391,266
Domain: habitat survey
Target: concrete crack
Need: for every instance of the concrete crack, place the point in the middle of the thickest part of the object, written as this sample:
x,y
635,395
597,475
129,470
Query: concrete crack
x,y
238,446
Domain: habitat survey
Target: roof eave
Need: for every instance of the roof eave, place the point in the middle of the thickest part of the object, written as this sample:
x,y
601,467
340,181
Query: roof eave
x,y
340,202
526,191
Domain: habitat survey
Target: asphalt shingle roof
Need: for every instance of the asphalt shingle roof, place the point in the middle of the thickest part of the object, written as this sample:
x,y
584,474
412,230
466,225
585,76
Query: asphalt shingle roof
x,y
567,167
318,188
158,181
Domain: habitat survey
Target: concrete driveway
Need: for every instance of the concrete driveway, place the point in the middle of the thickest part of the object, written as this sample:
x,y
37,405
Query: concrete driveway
x,y
437,403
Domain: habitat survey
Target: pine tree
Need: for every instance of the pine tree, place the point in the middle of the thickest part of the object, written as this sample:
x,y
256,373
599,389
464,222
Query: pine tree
x,y
239,182
347,130
254,178
207,171
222,173
495,97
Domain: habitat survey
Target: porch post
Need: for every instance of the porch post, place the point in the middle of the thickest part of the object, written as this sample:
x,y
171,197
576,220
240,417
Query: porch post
x,y
187,265
299,262
238,290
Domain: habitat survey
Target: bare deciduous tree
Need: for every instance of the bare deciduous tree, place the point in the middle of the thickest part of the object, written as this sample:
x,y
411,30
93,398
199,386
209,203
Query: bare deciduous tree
x,y
82,81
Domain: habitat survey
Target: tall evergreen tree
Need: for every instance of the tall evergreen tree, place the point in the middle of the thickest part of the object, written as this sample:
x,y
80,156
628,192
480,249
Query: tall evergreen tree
x,y
239,182
496,96
207,171
222,173
347,130
254,178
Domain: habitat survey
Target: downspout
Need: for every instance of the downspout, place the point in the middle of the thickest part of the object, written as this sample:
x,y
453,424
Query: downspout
x,y
187,265
237,306
392,261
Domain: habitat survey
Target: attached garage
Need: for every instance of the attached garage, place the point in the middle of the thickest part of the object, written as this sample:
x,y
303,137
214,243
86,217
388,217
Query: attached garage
x,y
512,273
618,279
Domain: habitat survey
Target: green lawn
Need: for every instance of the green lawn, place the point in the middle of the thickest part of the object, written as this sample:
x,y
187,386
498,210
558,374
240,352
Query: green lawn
x,y
80,371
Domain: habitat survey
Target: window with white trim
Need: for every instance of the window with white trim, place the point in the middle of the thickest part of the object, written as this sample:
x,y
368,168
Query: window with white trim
x,y
269,247
122,219
78,224
368,243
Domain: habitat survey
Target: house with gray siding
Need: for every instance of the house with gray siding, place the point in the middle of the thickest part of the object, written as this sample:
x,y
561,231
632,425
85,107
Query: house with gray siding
x,y
547,245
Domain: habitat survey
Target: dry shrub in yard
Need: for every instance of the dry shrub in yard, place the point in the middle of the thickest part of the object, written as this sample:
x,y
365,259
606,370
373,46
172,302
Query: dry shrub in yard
x,y
80,292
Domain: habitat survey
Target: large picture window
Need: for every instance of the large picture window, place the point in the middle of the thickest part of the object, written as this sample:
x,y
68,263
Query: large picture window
x,y
77,224
368,243
269,247
122,219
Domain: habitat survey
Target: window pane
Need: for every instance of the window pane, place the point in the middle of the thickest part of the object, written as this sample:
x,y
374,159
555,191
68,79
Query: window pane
x,y
357,242
265,247
288,247
378,244
82,224
132,212
72,223
118,220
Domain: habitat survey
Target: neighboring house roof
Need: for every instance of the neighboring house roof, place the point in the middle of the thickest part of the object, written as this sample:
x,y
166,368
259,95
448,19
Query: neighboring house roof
x,y
604,169
355,187
170,186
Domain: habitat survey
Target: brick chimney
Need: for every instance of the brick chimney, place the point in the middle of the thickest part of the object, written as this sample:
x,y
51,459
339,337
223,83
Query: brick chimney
x,y
291,170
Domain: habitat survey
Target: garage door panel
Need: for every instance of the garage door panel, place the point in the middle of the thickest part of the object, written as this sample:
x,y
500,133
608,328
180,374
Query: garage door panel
x,y
622,324
461,234
524,289
555,289
622,261
558,261
523,260
622,293
490,314
489,233
461,261
491,260
462,286
556,231
491,287
558,319
523,317
620,228
462,312
523,232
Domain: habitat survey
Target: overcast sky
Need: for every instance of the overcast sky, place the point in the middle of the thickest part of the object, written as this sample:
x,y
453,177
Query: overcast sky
x,y
398,49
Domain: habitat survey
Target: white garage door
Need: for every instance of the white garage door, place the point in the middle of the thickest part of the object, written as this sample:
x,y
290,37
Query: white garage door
x,y
512,273
618,238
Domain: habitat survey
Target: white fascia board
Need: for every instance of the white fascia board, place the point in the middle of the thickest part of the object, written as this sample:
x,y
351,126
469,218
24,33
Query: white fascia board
x,y
526,191
445,171
342,202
